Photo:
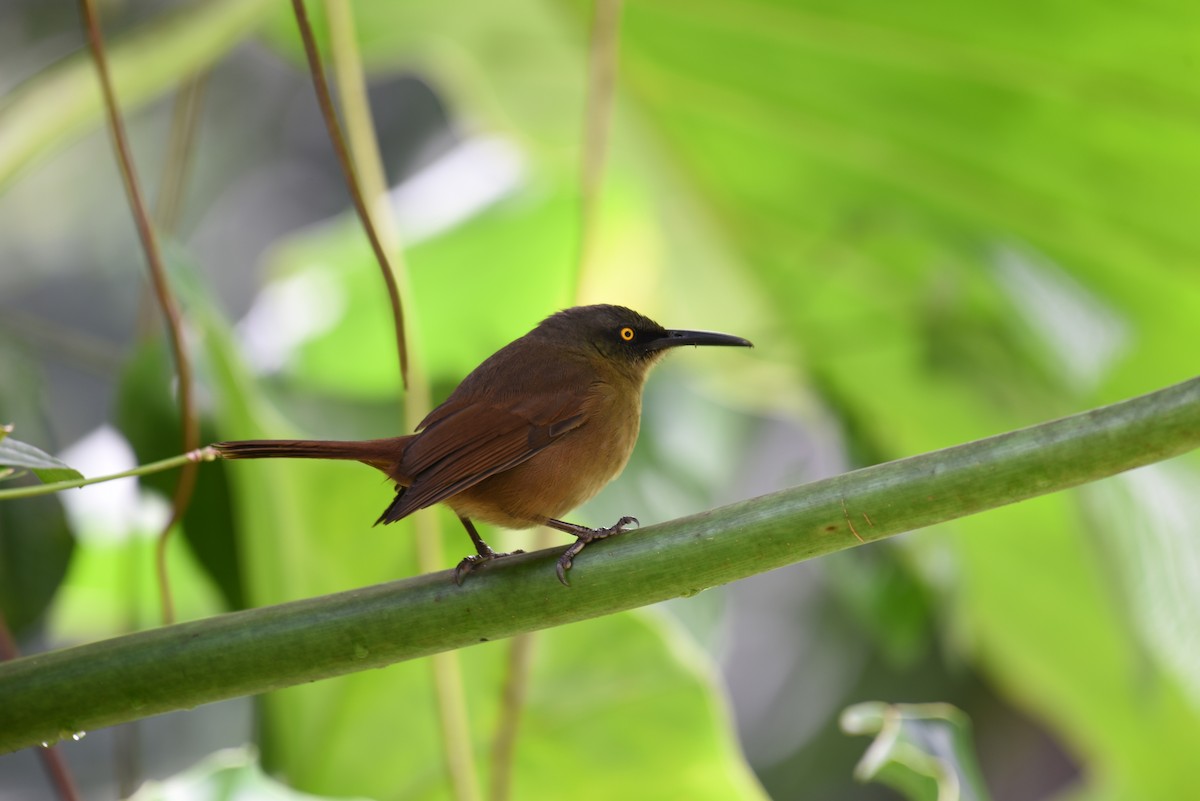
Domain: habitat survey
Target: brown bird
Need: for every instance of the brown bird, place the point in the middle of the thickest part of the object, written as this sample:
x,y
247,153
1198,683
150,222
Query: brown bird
x,y
533,432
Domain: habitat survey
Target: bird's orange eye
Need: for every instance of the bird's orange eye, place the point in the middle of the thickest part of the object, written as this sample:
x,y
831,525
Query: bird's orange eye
x,y
627,334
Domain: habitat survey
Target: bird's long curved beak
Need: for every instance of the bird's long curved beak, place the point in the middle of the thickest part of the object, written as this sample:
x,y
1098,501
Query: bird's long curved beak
x,y
674,339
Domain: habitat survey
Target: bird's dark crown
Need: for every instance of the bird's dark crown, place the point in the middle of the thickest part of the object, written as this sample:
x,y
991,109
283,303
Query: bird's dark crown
x,y
616,332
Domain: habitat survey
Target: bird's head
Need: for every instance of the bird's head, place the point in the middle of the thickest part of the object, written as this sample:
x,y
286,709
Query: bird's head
x,y
623,337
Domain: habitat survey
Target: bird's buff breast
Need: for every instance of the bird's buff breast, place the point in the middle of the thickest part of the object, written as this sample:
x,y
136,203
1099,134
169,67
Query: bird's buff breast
x,y
565,474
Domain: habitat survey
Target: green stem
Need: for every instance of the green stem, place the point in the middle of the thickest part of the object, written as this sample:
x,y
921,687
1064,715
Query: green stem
x,y
340,149
50,695
205,454
189,420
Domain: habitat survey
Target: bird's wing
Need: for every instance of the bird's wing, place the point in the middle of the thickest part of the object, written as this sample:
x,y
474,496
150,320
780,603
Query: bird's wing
x,y
465,445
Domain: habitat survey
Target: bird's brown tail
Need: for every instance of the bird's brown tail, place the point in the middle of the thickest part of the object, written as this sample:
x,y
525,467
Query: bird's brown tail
x,y
383,454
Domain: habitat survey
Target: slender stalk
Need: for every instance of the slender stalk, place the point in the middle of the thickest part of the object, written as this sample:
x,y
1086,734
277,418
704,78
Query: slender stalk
x,y
369,173
339,146
185,115
47,696
58,773
199,455
517,669
189,420
351,83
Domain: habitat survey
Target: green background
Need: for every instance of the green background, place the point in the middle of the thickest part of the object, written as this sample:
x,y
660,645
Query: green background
x,y
936,221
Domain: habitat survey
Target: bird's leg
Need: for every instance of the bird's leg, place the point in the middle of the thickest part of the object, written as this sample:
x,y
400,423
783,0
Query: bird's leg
x,y
583,535
483,553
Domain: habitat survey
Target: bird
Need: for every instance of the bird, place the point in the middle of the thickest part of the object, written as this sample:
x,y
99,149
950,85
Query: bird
x,y
533,432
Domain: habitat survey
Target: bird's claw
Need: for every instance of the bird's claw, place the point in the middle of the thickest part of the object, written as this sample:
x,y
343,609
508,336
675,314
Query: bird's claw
x,y
470,563
585,536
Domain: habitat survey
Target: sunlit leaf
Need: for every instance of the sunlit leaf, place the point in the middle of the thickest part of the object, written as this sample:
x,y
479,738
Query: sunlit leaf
x,y
353,353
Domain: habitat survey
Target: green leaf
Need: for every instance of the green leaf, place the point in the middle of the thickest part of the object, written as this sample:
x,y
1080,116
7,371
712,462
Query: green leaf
x,y
886,599
606,691
36,542
14,453
334,270
111,587
915,199
922,750
35,549
953,254
653,684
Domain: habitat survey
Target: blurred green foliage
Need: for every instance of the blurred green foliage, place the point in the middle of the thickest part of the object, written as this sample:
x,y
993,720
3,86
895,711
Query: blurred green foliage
x,y
925,751
938,221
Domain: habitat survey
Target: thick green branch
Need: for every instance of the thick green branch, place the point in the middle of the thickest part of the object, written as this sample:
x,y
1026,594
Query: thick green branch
x,y
47,696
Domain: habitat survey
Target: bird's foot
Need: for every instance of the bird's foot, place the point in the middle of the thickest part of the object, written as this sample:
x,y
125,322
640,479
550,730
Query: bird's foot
x,y
582,537
470,563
